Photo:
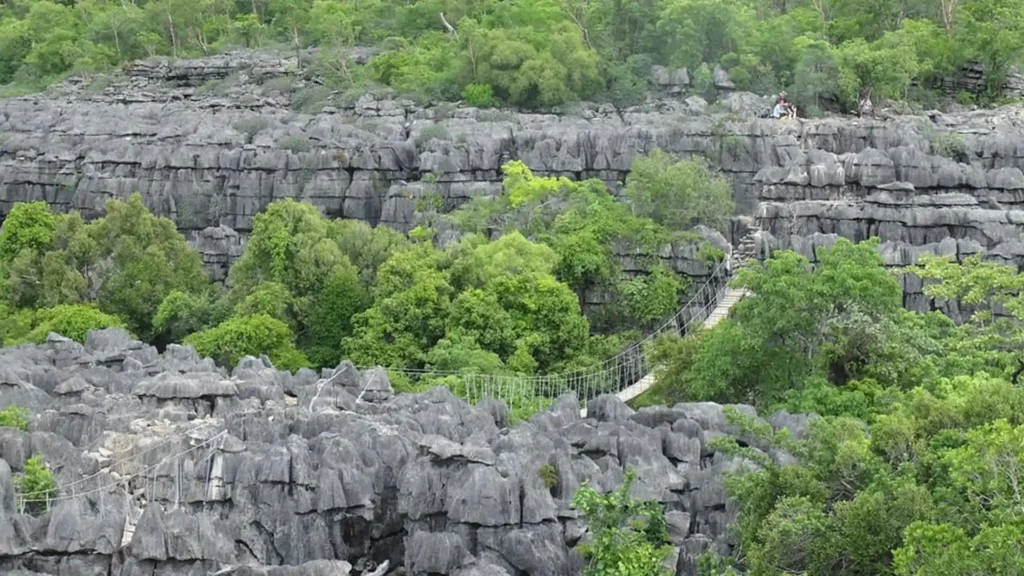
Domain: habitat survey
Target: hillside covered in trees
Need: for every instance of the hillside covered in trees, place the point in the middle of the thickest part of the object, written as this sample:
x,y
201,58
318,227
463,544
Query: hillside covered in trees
x,y
915,466
539,53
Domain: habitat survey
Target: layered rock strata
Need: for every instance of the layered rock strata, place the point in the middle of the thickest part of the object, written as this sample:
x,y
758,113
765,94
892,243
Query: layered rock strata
x,y
956,190
169,465
212,156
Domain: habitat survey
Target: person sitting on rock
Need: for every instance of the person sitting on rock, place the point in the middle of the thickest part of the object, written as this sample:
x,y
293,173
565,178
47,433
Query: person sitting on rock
x,y
780,108
789,107
784,108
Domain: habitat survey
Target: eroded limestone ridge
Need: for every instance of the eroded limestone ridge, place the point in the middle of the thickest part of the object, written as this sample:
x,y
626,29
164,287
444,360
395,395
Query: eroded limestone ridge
x,y
169,465
210,142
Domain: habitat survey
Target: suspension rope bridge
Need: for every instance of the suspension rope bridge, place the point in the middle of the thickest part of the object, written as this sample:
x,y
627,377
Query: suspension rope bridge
x,y
626,374
721,311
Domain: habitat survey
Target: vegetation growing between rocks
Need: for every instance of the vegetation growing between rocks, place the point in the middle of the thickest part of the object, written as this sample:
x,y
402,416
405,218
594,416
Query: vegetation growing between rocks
x,y
35,487
115,270
540,53
915,464
549,475
627,537
14,417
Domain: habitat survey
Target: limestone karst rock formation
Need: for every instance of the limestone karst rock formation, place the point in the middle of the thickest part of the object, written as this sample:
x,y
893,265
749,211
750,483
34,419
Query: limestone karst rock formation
x,y
208,147
172,466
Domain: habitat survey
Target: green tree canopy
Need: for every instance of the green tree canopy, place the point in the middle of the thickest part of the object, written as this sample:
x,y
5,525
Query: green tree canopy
x,y
841,316
541,53
301,268
913,467
585,227
496,297
126,262
678,194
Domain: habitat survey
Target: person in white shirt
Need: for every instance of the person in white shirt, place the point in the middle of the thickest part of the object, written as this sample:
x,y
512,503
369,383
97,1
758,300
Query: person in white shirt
x,y
779,110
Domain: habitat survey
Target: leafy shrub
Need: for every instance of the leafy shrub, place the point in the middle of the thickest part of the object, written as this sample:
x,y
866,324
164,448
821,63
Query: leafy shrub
x,y
653,297
402,383
219,87
99,84
282,84
444,110
15,324
181,314
35,487
709,254
295,143
311,99
252,335
704,81
73,321
948,144
431,132
14,417
672,357
549,475
965,98
479,96
126,262
342,297
629,536
269,298
30,225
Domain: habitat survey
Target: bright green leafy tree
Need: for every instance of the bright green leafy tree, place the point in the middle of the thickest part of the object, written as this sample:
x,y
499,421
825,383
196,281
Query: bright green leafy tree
x,y
913,469
678,194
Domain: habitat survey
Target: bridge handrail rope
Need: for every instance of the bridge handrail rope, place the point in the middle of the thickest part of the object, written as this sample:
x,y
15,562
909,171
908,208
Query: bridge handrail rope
x,y
69,490
23,498
135,455
612,375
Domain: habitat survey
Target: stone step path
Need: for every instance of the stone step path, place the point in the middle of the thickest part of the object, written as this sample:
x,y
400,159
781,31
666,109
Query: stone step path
x,y
732,296
746,249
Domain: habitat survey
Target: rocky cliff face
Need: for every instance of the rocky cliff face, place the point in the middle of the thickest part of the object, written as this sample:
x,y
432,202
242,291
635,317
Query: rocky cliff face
x,y
212,156
171,466
950,185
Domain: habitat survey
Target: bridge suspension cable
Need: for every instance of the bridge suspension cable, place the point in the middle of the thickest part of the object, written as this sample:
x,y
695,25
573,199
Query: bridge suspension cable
x,y
611,376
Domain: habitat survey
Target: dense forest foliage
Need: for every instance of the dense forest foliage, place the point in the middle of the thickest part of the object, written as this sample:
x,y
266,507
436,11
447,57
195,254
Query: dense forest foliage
x,y
504,296
539,52
917,464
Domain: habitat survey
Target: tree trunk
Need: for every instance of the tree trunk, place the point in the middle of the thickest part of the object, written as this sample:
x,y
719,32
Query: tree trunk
x,y
170,27
948,8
